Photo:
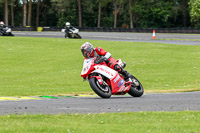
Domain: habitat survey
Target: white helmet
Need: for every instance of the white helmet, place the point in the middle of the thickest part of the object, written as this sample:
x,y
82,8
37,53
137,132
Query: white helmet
x,y
67,24
1,23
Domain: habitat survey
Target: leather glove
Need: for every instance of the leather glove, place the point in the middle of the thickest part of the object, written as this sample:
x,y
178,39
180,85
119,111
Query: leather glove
x,y
100,60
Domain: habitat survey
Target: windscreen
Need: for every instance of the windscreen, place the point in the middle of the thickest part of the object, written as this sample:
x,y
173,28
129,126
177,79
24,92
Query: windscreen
x,y
86,65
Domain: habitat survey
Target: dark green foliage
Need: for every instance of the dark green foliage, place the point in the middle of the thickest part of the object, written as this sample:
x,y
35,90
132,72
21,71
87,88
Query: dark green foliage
x,y
153,14
1,10
145,13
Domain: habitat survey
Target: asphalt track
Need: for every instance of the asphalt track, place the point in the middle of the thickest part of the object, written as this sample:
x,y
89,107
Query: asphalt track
x,y
180,39
94,104
148,102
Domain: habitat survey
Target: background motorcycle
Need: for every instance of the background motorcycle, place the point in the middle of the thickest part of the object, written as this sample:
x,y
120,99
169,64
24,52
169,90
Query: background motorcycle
x,y
73,33
106,82
6,32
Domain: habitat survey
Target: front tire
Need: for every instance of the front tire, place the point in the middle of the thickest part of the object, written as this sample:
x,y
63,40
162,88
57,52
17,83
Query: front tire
x,y
10,34
104,92
136,89
78,36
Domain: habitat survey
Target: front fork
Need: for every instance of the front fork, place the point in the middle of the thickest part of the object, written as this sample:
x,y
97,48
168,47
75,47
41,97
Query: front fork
x,y
99,79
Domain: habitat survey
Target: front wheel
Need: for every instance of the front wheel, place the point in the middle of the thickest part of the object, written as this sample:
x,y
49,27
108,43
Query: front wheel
x,y
10,34
103,90
78,36
136,89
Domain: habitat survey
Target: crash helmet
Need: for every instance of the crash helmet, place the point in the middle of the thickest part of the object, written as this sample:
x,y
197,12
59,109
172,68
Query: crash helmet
x,y
87,49
1,23
67,24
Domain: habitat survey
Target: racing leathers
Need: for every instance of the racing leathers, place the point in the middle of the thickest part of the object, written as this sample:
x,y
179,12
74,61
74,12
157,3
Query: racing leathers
x,y
1,27
111,62
67,30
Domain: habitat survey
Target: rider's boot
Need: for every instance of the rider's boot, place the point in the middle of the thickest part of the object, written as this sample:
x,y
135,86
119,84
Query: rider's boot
x,y
122,71
125,74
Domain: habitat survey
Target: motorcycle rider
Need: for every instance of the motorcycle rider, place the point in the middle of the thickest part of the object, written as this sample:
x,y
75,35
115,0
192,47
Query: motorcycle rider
x,y
89,52
2,25
68,27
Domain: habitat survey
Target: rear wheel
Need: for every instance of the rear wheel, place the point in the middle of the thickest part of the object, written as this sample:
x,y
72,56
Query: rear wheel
x,y
103,90
136,89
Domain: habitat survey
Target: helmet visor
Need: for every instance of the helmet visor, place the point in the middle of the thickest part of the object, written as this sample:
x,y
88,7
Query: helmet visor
x,y
84,52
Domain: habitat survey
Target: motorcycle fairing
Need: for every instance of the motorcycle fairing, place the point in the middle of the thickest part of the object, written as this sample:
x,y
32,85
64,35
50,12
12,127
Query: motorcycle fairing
x,y
9,30
106,71
118,84
74,30
86,66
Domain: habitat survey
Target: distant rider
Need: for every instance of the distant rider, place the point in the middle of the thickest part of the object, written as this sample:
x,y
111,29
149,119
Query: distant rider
x,y
89,52
2,25
68,27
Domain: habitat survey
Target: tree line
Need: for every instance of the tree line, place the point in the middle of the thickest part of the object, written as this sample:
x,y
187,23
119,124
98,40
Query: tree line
x,y
101,13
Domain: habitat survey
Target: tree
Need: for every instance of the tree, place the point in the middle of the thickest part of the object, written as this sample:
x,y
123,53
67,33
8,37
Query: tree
x,y
117,8
12,12
131,3
24,12
102,3
181,12
153,14
79,14
29,12
195,12
38,14
6,12
66,11
45,12
184,7
116,11
99,15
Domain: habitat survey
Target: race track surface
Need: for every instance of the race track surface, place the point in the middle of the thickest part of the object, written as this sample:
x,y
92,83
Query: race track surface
x,y
148,102
189,39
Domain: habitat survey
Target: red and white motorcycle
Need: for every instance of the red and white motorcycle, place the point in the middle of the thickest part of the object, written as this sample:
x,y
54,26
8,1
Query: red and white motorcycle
x,y
106,82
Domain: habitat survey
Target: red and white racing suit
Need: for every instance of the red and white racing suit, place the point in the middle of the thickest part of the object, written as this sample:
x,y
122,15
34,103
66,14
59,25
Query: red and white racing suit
x,y
110,60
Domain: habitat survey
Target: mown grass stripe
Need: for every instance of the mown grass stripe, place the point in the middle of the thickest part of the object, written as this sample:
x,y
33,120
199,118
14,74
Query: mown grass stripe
x,y
52,97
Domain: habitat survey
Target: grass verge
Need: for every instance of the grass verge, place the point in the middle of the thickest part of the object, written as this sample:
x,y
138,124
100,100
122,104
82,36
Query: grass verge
x,y
47,66
141,122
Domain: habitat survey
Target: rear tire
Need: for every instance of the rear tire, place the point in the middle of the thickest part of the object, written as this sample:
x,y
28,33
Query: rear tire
x,y
100,91
136,91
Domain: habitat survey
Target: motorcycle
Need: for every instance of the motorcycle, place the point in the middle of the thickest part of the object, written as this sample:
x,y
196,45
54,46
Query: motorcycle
x,y
6,31
73,33
105,81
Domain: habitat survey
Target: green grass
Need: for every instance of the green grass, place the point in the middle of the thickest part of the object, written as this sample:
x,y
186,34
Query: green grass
x,y
47,66
141,122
